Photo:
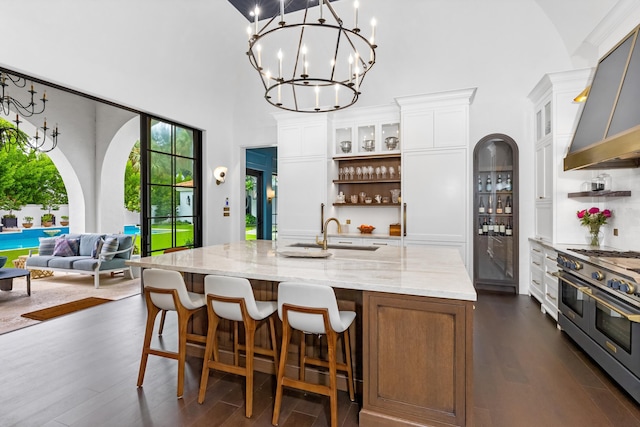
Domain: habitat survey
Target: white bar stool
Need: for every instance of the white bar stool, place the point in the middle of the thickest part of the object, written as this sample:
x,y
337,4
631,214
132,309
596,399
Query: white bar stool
x,y
313,309
232,298
165,290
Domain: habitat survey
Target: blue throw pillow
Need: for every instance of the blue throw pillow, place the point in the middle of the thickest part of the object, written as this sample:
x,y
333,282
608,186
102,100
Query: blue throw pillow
x,y
47,245
110,245
97,248
64,247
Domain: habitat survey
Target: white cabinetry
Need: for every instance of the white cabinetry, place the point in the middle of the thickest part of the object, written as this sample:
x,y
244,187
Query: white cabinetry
x,y
543,283
366,141
435,169
302,174
554,115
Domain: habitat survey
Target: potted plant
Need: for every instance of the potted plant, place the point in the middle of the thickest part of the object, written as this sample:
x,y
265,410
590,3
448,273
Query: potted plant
x,y
10,221
64,220
28,222
10,204
47,220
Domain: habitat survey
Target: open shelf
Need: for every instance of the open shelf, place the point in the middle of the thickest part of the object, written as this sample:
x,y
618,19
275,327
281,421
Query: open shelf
x,y
601,194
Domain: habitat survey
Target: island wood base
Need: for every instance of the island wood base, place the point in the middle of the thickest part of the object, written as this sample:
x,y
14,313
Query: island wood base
x,y
418,355
412,354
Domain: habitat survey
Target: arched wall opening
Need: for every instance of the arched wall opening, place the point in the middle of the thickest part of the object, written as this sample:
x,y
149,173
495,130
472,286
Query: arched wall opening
x,y
112,215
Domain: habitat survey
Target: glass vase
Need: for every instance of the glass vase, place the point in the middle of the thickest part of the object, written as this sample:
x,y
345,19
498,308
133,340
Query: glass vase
x,y
595,238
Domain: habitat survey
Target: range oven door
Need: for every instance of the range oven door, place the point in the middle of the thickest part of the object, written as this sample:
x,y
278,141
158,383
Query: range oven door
x,y
573,301
616,328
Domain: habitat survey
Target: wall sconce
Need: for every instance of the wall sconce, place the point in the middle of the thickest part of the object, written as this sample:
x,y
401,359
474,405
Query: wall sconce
x,y
270,194
219,174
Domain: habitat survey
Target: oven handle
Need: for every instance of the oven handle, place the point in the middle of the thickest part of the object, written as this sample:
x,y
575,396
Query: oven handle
x,y
584,289
630,317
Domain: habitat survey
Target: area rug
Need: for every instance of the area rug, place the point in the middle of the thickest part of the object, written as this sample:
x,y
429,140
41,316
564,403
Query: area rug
x,y
62,309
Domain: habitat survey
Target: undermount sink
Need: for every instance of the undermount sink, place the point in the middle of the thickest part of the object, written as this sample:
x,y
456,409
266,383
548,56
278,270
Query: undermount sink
x,y
330,246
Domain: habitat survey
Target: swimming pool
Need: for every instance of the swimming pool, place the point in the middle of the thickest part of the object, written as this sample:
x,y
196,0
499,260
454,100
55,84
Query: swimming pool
x,y
27,237
30,237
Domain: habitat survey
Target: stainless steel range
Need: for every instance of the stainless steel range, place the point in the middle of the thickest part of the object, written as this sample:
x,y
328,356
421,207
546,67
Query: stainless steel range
x,y
599,308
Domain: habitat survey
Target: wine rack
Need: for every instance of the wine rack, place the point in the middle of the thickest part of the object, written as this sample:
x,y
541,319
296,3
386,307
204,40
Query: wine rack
x,y
495,214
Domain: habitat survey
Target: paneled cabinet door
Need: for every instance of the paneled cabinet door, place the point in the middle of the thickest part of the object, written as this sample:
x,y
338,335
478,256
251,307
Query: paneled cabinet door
x,y
435,190
544,171
302,189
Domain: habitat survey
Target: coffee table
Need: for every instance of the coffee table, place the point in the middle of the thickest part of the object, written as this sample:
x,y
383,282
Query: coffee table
x,y
8,274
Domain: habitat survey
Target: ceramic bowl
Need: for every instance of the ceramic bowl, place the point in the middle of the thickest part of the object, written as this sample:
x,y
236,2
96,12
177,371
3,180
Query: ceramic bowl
x,y
3,260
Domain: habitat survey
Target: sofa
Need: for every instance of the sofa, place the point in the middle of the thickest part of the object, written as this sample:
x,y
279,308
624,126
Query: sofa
x,y
86,253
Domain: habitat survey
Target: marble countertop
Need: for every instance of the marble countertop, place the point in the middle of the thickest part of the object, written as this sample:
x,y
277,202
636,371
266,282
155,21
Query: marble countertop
x,y
431,271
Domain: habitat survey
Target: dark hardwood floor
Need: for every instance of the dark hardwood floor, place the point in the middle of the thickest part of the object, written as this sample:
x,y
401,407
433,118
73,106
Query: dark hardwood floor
x,y
81,370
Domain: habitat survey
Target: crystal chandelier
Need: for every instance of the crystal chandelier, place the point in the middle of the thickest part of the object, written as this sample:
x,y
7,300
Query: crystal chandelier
x,y
11,134
317,65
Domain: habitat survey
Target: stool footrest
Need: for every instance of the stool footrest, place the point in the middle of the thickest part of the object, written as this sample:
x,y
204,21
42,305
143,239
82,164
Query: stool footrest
x,y
325,364
197,338
224,367
162,353
258,350
303,385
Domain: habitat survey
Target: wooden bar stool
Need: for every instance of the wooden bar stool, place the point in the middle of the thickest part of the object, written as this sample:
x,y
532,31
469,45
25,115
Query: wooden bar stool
x,y
166,290
313,309
163,316
232,298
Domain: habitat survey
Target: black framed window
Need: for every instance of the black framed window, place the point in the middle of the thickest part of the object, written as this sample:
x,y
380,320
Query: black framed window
x,y
171,185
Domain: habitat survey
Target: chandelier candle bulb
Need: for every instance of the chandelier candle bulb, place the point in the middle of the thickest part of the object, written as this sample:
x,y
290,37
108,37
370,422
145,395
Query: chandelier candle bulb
x,y
350,68
373,30
356,5
320,4
317,97
259,49
256,11
282,11
280,64
337,104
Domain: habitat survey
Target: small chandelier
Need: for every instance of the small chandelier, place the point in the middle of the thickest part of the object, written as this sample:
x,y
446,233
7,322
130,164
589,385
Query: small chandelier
x,y
12,134
317,65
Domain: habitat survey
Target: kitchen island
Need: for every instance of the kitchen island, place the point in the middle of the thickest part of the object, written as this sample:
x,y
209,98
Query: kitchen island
x,y
414,327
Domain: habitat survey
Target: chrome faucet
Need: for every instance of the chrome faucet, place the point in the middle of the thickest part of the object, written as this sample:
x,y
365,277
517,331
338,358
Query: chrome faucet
x,y
324,240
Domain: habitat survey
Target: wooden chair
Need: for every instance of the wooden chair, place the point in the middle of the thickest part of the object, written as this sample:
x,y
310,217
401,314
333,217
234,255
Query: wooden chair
x,y
313,309
232,298
163,316
166,290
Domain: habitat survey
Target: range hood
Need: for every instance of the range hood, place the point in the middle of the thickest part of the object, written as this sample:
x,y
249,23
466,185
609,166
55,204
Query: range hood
x,y
608,132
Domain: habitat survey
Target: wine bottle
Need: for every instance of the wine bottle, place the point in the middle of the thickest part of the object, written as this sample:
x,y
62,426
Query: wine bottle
x,y
490,227
481,208
503,228
485,227
499,183
499,205
508,185
490,206
480,227
507,207
508,229
480,187
488,186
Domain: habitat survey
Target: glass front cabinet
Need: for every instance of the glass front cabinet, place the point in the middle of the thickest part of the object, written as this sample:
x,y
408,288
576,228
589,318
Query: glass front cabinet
x,y
495,214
